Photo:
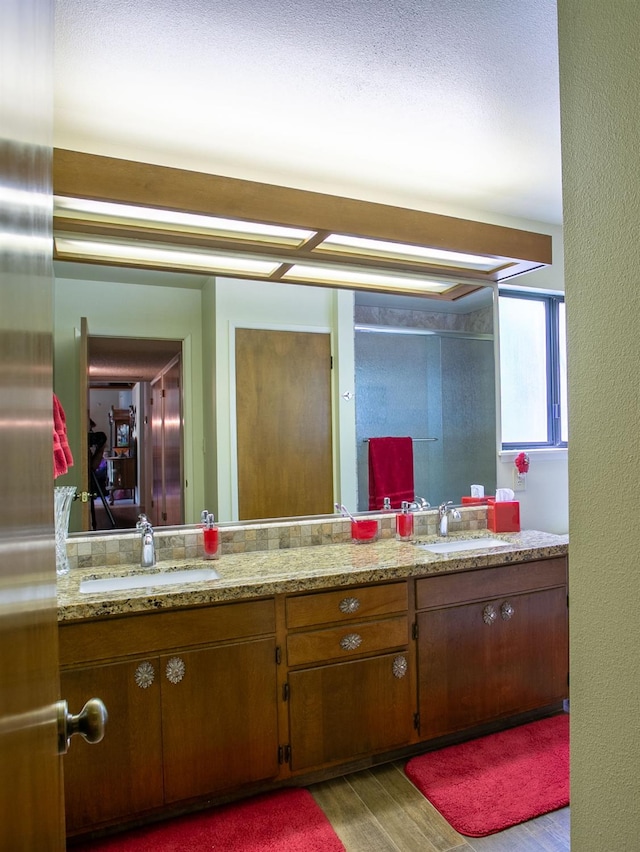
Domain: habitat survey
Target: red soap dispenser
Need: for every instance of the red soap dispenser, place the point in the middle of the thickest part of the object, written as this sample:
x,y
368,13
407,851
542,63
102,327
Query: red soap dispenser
x,y
404,523
211,536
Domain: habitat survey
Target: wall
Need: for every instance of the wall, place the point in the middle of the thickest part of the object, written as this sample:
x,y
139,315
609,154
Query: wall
x,y
600,103
130,310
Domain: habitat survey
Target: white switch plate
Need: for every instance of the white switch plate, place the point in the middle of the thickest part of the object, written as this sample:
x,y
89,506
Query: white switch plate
x,y
519,480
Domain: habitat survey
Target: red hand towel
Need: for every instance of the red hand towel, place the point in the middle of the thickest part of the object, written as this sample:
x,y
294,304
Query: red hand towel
x,y
62,458
390,471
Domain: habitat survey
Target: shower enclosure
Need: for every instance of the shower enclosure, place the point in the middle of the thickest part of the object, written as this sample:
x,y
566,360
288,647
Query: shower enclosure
x,y
439,389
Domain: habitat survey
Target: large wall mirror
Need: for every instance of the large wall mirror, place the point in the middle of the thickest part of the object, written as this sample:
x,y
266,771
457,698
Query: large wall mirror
x,y
258,361
285,363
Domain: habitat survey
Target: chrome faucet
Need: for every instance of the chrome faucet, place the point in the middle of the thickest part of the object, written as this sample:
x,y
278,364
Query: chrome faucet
x,y
148,547
419,505
444,510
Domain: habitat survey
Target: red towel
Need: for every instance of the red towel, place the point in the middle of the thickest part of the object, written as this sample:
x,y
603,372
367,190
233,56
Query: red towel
x,y
390,471
62,458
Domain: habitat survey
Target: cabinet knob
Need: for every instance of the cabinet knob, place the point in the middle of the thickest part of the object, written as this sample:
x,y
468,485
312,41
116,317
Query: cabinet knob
x,y
506,611
489,614
175,669
348,605
145,675
350,642
89,723
399,667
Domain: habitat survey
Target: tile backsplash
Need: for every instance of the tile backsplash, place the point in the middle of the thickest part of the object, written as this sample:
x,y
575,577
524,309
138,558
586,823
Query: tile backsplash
x,y
123,548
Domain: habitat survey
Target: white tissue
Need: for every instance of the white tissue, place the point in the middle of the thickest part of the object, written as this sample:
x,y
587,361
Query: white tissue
x,y
504,495
477,490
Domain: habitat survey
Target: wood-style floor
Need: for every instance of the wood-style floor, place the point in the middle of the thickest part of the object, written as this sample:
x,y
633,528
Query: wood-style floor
x,y
379,810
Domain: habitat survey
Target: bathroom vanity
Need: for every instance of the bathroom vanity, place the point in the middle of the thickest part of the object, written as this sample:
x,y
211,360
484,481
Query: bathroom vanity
x,y
303,663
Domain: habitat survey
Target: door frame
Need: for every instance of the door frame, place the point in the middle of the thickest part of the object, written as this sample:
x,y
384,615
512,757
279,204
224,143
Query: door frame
x,y
144,460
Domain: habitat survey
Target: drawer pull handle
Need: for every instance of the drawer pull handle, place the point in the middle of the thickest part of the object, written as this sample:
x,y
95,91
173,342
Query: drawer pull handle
x,y
506,611
350,642
399,667
145,675
489,615
349,605
175,669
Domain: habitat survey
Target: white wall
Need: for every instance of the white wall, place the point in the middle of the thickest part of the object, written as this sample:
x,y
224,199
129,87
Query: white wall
x,y
119,309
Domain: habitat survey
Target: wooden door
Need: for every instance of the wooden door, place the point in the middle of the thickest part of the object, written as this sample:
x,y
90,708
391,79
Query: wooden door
x,y
157,454
166,442
172,426
283,411
479,662
219,713
122,774
83,390
347,710
31,812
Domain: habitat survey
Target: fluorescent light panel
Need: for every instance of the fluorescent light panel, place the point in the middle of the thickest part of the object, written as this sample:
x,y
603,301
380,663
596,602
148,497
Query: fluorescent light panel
x,y
123,214
362,277
363,246
151,254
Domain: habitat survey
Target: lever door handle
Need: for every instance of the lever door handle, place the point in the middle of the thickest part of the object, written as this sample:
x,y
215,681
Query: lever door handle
x,y
89,723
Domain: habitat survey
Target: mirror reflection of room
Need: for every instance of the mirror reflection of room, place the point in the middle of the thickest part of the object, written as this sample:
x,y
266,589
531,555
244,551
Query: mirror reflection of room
x,y
113,462
139,468
202,315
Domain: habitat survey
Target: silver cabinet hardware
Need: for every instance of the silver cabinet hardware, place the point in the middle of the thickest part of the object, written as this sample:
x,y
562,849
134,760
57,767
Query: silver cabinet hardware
x,y
348,605
350,642
175,669
399,667
506,610
489,615
144,675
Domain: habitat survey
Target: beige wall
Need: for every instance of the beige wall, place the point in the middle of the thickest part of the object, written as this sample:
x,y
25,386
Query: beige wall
x,y
600,99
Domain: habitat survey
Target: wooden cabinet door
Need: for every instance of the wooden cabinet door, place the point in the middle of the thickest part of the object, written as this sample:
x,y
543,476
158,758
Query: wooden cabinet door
x,y
122,775
483,661
346,710
219,718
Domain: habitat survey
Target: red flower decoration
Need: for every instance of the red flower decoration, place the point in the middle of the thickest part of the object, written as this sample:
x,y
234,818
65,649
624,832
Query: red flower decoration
x,y
521,461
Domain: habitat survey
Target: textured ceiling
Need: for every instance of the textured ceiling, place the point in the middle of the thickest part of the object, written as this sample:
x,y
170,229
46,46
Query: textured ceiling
x,y
441,105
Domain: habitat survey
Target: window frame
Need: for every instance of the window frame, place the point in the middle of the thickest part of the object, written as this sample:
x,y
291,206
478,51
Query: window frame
x,y
551,302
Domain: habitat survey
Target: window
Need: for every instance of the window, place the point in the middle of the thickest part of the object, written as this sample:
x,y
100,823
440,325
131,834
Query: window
x,y
533,370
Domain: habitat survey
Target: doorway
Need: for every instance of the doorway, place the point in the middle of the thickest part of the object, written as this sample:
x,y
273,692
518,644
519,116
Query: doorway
x,y
121,375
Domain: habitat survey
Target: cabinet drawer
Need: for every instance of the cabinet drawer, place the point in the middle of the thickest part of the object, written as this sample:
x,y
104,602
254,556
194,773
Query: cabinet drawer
x,y
346,604
347,641
444,589
154,632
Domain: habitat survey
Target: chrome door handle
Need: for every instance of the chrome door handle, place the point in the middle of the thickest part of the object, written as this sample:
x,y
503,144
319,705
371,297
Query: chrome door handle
x,y
89,723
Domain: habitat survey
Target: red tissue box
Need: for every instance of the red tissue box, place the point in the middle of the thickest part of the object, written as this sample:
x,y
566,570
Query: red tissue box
x,y
475,501
503,517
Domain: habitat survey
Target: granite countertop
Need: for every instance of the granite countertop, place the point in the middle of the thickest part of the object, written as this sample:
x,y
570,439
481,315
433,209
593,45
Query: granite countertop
x,y
264,573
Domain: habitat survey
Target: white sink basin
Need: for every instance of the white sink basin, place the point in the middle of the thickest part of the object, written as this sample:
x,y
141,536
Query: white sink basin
x,y
148,580
466,544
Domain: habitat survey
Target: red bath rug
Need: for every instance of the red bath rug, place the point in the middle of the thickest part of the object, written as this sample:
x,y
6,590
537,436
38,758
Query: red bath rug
x,y
493,782
285,821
